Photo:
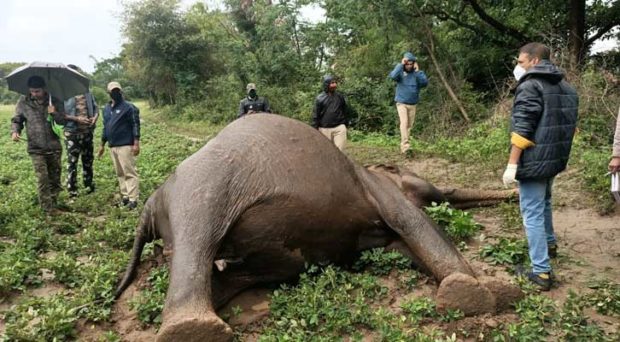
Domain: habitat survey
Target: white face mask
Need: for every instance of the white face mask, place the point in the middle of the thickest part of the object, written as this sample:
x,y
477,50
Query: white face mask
x,y
518,72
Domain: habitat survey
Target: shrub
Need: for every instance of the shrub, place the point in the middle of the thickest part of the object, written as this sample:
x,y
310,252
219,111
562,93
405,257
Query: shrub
x,y
458,224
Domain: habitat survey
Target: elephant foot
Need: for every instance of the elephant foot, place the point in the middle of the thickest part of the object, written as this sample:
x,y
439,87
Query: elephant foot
x,y
505,293
208,327
465,293
476,296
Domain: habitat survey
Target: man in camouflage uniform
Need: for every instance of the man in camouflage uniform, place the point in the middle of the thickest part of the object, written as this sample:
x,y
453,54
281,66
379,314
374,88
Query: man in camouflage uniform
x,y
44,146
82,114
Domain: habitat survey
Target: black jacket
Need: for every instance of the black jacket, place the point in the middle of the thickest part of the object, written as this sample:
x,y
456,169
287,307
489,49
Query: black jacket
x,y
330,109
255,105
121,124
544,112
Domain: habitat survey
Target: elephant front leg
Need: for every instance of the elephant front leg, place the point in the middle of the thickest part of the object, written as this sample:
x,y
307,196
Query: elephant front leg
x,y
459,287
188,312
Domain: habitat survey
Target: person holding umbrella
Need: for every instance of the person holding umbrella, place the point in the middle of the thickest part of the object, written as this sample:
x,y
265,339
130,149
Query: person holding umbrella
x,y
38,111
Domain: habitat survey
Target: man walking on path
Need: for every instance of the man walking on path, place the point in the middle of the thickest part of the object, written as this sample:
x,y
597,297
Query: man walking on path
x,y
37,113
409,81
330,113
253,103
82,113
543,122
121,130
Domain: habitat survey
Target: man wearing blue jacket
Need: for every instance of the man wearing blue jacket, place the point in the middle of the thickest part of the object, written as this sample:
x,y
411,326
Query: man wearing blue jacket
x,y
121,130
409,80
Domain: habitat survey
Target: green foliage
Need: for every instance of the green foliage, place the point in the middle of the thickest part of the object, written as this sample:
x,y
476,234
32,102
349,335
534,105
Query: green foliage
x,y
572,321
7,96
540,319
379,262
373,138
166,53
535,311
326,302
65,269
150,303
19,267
605,298
507,251
483,144
511,216
419,308
84,249
41,319
593,164
458,224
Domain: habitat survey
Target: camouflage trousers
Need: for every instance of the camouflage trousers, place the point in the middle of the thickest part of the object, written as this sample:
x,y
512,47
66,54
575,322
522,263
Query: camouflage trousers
x,y
47,171
79,144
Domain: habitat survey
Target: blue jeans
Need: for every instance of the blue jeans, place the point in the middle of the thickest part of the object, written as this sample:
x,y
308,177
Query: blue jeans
x,y
535,203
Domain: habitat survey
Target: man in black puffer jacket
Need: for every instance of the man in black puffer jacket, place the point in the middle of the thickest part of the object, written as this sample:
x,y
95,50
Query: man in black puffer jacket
x,y
329,115
544,118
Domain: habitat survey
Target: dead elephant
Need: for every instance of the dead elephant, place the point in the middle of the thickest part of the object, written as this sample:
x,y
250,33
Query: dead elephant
x,y
269,194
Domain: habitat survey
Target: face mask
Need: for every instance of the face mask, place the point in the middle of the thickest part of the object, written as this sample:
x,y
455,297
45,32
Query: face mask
x,y
116,96
518,72
252,94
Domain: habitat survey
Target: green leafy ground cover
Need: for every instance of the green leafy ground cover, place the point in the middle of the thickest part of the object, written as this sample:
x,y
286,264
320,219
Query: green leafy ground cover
x,y
58,274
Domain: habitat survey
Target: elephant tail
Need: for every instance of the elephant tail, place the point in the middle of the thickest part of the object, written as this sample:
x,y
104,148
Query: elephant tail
x,y
145,232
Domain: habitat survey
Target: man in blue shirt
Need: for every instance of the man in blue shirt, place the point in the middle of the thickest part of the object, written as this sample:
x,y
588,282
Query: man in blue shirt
x,y
409,80
121,130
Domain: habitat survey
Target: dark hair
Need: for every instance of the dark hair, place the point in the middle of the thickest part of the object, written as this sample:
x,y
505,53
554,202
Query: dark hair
x,y
36,82
536,50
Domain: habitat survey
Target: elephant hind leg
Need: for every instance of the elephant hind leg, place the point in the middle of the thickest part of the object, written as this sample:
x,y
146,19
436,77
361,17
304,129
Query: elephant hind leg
x,y
188,312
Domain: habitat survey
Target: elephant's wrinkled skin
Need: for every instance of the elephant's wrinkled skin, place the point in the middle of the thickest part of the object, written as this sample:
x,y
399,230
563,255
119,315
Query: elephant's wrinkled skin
x,y
267,195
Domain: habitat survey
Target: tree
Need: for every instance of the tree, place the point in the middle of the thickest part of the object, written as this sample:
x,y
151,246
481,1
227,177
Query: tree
x,y
517,22
165,53
7,96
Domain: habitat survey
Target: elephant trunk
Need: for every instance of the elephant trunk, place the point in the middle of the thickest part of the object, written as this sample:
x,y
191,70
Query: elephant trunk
x,y
473,198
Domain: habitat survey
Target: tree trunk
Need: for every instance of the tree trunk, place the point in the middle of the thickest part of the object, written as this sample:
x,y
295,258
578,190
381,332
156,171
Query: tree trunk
x,y
430,47
445,83
577,25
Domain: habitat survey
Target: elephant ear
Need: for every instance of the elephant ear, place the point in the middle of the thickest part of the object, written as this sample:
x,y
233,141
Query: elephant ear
x,y
383,168
389,171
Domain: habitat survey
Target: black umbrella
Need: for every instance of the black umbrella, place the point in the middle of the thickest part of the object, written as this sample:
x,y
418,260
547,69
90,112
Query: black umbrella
x,y
60,81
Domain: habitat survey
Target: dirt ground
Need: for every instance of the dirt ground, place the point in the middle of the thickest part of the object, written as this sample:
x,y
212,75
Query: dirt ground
x,y
588,249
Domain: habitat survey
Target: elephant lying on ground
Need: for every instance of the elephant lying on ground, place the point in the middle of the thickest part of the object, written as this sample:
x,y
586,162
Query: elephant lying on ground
x,y
266,196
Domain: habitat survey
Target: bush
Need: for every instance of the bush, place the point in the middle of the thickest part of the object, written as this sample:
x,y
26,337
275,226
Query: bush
x,y
506,252
458,224
379,262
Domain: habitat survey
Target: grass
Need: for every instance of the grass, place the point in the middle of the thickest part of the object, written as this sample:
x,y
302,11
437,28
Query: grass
x,y
83,252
